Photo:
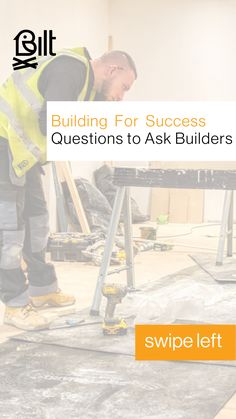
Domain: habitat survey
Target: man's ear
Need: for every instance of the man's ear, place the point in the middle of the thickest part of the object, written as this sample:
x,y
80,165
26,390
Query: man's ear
x,y
110,70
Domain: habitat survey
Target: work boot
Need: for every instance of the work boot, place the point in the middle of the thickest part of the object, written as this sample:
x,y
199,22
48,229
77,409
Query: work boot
x,y
26,318
53,299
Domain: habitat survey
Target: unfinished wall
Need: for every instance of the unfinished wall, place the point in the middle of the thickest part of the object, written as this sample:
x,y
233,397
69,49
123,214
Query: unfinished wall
x,y
184,50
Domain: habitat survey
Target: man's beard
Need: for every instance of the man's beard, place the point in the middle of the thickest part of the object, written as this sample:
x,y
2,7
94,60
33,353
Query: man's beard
x,y
105,89
100,97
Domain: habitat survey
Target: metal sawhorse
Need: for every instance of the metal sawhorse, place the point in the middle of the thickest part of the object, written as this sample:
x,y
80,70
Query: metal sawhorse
x,y
124,178
122,199
226,228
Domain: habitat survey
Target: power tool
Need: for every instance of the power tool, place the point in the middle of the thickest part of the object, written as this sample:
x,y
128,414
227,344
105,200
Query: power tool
x,y
113,325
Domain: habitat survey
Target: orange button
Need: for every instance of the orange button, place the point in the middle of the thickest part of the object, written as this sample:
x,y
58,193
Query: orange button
x,y
185,342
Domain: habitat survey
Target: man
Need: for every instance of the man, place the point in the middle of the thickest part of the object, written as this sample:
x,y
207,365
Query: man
x,y
71,75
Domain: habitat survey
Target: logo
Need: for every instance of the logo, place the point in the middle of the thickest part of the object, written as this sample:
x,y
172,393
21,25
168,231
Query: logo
x,y
28,47
23,164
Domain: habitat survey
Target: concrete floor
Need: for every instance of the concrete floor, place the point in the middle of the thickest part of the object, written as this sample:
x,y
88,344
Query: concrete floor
x,y
79,279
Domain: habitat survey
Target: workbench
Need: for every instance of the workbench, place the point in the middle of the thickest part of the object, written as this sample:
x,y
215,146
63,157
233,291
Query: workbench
x,y
126,177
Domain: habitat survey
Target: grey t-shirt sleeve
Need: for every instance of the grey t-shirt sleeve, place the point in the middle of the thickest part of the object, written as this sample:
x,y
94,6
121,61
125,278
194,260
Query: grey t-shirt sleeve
x,y
62,79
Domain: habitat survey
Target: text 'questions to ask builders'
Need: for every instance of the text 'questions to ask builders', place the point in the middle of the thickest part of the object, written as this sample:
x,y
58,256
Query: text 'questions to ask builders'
x,y
137,131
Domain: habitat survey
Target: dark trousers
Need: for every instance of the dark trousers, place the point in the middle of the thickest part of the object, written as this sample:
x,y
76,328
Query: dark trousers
x,y
23,233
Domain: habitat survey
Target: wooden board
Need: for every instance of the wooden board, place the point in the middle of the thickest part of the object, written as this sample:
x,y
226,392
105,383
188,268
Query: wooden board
x,y
66,172
185,206
181,205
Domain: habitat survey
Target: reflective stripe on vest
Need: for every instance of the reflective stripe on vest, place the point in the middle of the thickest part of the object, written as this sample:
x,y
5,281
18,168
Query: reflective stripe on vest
x,y
27,93
19,131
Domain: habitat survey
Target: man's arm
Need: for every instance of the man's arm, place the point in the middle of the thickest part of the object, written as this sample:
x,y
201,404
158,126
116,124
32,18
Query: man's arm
x,y
62,79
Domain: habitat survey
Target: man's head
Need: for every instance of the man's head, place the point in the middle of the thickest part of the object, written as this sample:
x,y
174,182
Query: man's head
x,y
114,74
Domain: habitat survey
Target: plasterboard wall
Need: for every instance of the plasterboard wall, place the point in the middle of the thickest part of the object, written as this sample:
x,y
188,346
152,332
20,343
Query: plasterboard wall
x,y
184,50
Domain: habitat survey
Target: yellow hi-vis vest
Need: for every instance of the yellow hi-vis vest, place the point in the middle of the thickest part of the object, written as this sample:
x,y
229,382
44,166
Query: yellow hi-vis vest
x,y
20,105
